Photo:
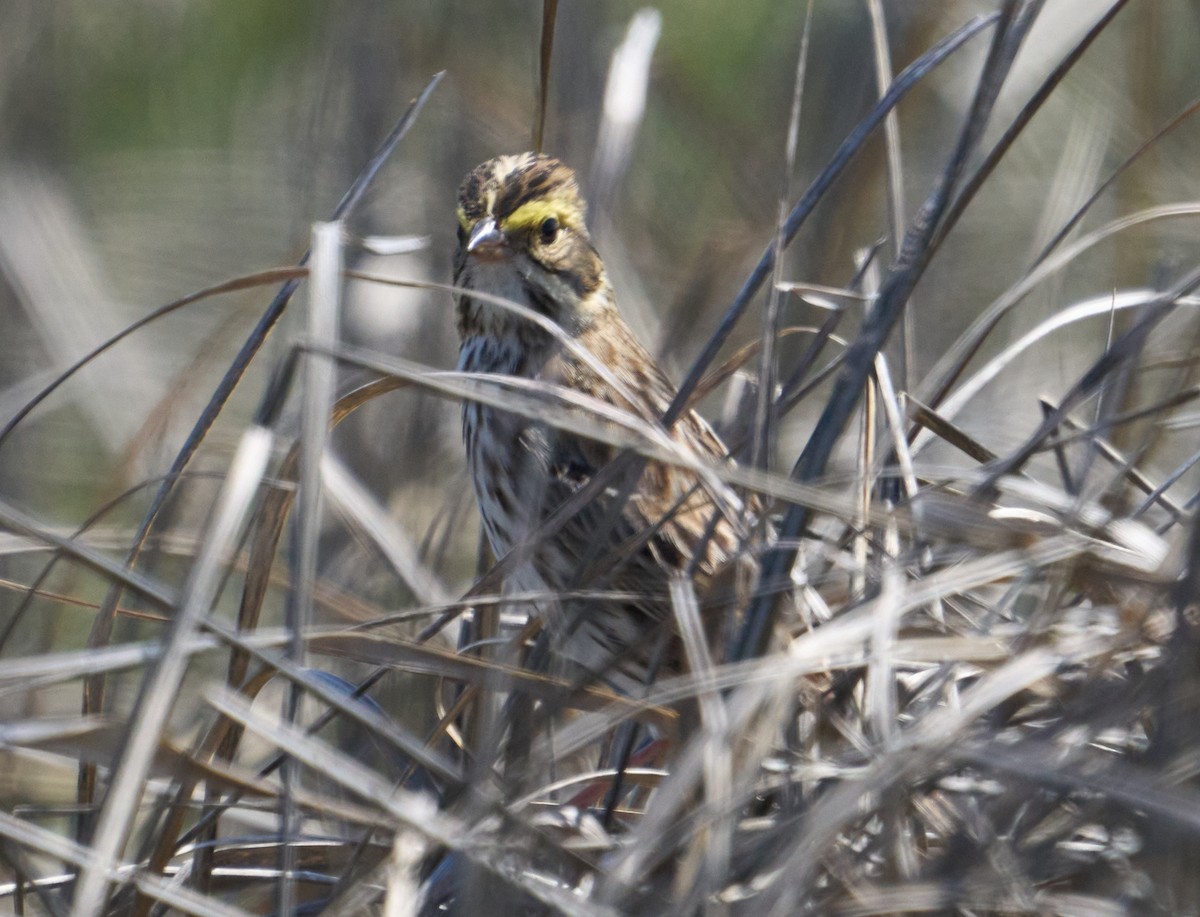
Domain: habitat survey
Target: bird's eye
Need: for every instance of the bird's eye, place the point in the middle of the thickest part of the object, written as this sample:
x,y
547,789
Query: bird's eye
x,y
548,230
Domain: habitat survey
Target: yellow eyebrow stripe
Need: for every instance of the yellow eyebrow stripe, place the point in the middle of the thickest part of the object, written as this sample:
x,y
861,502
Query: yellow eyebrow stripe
x,y
532,213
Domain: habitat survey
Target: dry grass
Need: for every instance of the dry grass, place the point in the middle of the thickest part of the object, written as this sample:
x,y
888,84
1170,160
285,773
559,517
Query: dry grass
x,y
961,679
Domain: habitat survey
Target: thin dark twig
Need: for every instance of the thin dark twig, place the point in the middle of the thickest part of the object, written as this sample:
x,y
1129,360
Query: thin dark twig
x,y
765,416
988,166
904,82
626,468
226,286
1125,348
549,14
889,306
791,392
18,521
1133,157
102,624
1069,484
109,505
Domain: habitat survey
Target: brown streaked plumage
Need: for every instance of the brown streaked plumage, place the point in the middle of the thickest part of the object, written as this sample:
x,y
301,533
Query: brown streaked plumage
x,y
522,237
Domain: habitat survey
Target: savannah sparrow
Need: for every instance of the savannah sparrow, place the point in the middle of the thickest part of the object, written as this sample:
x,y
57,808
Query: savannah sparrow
x,y
522,237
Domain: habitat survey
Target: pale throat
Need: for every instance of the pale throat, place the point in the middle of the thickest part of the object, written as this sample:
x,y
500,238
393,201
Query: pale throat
x,y
498,279
495,339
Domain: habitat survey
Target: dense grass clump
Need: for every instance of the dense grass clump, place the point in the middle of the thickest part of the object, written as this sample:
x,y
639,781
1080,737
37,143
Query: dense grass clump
x,y
954,670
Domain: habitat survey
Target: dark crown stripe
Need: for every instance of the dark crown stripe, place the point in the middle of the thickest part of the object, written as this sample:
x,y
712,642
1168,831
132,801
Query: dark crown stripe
x,y
535,182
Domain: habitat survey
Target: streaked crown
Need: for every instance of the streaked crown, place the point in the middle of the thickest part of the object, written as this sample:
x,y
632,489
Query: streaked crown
x,y
522,235
520,192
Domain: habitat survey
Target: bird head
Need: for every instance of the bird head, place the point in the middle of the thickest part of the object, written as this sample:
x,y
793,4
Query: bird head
x,y
522,236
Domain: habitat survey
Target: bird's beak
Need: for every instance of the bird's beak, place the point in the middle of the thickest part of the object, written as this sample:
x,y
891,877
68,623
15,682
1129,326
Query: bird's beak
x,y
486,241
